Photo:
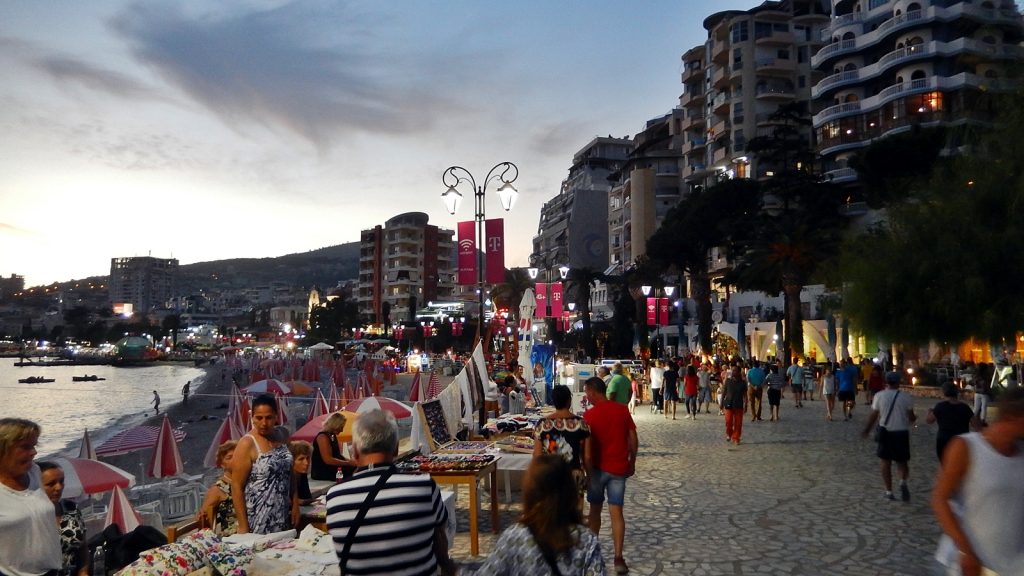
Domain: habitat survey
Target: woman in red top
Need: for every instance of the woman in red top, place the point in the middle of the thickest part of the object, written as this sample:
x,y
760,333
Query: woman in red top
x,y
690,390
876,382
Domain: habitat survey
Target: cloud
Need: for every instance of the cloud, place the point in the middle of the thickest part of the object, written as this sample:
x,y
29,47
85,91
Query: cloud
x,y
75,70
6,228
269,67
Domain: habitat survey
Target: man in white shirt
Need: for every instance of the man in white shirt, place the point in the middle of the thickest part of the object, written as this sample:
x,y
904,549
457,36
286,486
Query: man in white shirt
x,y
894,410
657,379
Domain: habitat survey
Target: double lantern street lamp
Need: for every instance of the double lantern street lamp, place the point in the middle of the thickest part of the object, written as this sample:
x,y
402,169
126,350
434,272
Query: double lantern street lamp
x,y
552,292
506,173
657,309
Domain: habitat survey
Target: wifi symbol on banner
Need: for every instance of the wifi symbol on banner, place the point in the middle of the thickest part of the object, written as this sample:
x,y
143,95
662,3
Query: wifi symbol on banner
x,y
466,244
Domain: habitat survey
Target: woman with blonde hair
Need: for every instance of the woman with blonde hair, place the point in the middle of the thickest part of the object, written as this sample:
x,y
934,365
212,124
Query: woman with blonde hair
x,y
29,539
327,459
549,537
218,509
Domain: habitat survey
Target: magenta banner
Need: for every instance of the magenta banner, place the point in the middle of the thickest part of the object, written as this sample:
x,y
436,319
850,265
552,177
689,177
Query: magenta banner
x,y
663,310
541,295
467,253
652,311
556,300
494,244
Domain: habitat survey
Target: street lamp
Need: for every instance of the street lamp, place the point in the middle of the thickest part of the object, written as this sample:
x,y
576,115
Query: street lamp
x,y
506,173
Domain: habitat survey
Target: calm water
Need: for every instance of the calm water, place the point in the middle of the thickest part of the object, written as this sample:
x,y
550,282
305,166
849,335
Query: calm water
x,y
65,409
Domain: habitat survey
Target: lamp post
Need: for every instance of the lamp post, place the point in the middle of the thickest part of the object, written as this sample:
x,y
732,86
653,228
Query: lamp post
x,y
547,267
668,291
506,173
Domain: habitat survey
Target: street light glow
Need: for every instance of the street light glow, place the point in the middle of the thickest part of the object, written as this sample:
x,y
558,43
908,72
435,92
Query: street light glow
x,y
451,198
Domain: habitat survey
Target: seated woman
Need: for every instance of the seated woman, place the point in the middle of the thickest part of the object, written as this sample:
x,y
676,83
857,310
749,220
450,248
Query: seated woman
x,y
73,548
301,453
327,451
218,509
550,531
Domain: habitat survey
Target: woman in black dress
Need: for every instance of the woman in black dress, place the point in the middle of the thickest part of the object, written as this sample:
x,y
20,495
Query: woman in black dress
x,y
953,417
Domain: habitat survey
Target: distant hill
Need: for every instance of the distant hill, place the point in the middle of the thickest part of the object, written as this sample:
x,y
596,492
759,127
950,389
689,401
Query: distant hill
x,y
323,267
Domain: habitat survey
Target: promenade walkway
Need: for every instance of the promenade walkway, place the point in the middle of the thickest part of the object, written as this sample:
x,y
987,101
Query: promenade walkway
x,y
800,496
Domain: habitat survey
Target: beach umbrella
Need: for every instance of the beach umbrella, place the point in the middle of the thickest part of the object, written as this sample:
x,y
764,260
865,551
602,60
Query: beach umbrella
x,y
527,306
741,338
347,393
333,401
415,394
133,439
338,374
166,459
363,389
86,450
85,476
120,512
238,413
433,386
275,386
300,388
282,410
223,434
379,403
319,406
310,429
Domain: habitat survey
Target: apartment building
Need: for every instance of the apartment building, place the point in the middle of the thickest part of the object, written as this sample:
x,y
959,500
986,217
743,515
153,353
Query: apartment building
x,y
890,65
405,263
143,282
752,63
573,228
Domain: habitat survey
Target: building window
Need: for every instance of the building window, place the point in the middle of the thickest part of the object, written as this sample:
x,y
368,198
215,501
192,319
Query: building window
x,y
737,57
740,32
783,54
762,30
801,54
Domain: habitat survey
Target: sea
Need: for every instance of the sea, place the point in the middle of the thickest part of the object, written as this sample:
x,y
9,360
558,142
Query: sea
x,y
65,409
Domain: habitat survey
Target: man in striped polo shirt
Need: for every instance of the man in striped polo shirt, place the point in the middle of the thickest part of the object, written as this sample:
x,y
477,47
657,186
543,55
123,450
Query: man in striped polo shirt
x,y
383,522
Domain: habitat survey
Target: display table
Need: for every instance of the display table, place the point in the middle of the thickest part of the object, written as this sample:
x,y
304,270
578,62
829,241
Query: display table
x,y
509,463
315,515
471,478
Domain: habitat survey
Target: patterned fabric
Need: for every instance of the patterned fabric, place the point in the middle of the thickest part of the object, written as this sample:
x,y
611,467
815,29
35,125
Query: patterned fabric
x,y
225,523
268,491
178,559
72,536
563,436
516,554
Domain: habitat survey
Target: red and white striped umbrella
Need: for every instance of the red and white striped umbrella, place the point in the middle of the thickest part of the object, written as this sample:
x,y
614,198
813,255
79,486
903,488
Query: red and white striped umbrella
x,y
224,434
379,403
434,386
86,450
319,405
120,512
268,386
166,459
333,401
238,411
415,394
339,373
137,438
85,476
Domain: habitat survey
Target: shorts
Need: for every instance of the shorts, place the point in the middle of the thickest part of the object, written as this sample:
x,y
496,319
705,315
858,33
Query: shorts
x,y
704,395
774,396
671,394
847,396
797,387
601,481
809,386
894,446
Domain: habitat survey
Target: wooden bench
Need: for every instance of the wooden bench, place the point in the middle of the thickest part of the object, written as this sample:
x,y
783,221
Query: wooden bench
x,y
176,531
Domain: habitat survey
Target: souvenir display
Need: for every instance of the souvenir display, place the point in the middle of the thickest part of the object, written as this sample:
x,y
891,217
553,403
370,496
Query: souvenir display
x,y
464,447
516,443
441,463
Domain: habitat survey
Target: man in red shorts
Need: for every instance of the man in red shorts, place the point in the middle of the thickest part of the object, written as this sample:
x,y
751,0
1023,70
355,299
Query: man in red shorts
x,y
610,458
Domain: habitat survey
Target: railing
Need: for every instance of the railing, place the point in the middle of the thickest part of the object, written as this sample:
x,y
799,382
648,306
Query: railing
x,y
841,175
773,89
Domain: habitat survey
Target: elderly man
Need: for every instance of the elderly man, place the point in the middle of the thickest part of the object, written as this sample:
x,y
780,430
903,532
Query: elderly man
x,y
383,522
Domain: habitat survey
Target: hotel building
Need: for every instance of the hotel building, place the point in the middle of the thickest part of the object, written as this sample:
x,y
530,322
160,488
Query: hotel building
x,y
405,263
141,282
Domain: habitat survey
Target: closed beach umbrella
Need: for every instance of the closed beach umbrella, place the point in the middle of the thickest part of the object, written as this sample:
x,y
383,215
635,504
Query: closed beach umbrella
x,y
120,512
166,459
319,406
527,307
310,429
86,450
222,435
268,386
282,410
334,400
133,439
85,476
741,338
414,390
433,386
379,403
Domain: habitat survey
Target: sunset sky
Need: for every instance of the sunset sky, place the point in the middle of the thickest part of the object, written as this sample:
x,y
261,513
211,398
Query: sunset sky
x,y
211,130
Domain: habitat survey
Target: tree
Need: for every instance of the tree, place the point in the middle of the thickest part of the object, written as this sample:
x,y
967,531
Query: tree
x,y
172,323
509,293
705,219
945,263
327,320
579,282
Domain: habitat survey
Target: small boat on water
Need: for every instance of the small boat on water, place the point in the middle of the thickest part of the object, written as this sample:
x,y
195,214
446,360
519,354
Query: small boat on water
x,y
87,378
35,380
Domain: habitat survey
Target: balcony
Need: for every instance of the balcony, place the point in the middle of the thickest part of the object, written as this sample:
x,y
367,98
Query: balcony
x,y
775,66
720,78
693,99
775,91
693,73
720,52
841,175
720,105
719,128
720,155
776,38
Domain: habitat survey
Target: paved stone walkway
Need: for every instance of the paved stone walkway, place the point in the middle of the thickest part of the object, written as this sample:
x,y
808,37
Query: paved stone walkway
x,y
802,496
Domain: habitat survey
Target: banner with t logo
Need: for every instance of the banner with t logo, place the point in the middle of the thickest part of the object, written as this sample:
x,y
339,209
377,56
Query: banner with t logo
x,y
494,246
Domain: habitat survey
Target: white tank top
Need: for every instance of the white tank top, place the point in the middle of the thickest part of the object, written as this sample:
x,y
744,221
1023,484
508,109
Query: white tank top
x,y
993,497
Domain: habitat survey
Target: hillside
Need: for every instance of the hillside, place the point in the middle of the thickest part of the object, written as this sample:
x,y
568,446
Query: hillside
x,y
323,267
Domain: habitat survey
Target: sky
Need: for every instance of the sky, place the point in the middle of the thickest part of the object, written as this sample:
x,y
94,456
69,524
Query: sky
x,y
211,130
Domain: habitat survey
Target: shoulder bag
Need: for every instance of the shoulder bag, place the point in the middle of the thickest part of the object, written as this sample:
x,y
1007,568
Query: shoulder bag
x,y
880,429
360,515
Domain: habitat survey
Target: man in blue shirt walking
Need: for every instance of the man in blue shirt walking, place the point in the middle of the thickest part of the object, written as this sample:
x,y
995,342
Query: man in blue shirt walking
x,y
846,380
